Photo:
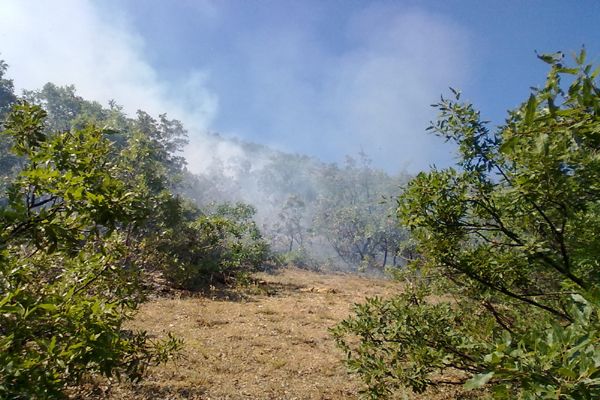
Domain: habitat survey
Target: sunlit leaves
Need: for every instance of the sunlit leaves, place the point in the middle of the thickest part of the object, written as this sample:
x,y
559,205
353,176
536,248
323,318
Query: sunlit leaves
x,y
513,236
69,264
25,125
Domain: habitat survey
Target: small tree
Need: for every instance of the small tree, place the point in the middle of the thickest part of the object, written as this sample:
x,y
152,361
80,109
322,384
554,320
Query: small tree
x,y
289,227
9,163
7,91
513,236
213,247
354,215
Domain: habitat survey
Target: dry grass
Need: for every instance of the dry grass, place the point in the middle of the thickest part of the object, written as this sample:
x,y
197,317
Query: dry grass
x,y
267,341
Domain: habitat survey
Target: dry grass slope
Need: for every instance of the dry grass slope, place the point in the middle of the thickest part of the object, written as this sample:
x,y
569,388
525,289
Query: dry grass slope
x,y
267,341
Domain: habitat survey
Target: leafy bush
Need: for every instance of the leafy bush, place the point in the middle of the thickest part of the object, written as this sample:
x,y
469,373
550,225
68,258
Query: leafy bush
x,y
68,276
300,258
213,247
510,241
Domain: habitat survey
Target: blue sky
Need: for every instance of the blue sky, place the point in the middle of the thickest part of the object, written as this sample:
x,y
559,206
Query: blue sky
x,y
325,78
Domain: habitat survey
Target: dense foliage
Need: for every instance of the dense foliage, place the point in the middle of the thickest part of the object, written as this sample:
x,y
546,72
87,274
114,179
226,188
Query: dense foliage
x,y
509,244
69,278
9,162
314,215
355,214
217,245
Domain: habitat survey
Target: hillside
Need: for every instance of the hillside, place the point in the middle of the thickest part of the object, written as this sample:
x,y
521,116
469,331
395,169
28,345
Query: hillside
x,y
266,341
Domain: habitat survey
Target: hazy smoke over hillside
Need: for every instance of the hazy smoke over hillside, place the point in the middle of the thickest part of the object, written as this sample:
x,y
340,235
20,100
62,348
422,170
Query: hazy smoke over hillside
x,y
277,80
282,88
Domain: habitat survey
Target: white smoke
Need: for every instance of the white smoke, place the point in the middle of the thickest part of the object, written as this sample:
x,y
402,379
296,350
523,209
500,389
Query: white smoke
x,y
71,42
288,84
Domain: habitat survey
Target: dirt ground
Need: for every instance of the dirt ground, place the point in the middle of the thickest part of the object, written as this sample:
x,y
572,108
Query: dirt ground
x,y
269,340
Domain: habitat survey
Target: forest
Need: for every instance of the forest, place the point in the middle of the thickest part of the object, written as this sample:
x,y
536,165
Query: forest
x,y
96,204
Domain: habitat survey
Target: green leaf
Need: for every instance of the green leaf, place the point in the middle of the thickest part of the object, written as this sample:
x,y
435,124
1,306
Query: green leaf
x,y
48,307
551,58
530,109
580,59
509,145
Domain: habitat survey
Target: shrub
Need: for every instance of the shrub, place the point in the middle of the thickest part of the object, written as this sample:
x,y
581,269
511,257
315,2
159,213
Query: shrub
x,y
214,247
68,278
510,239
